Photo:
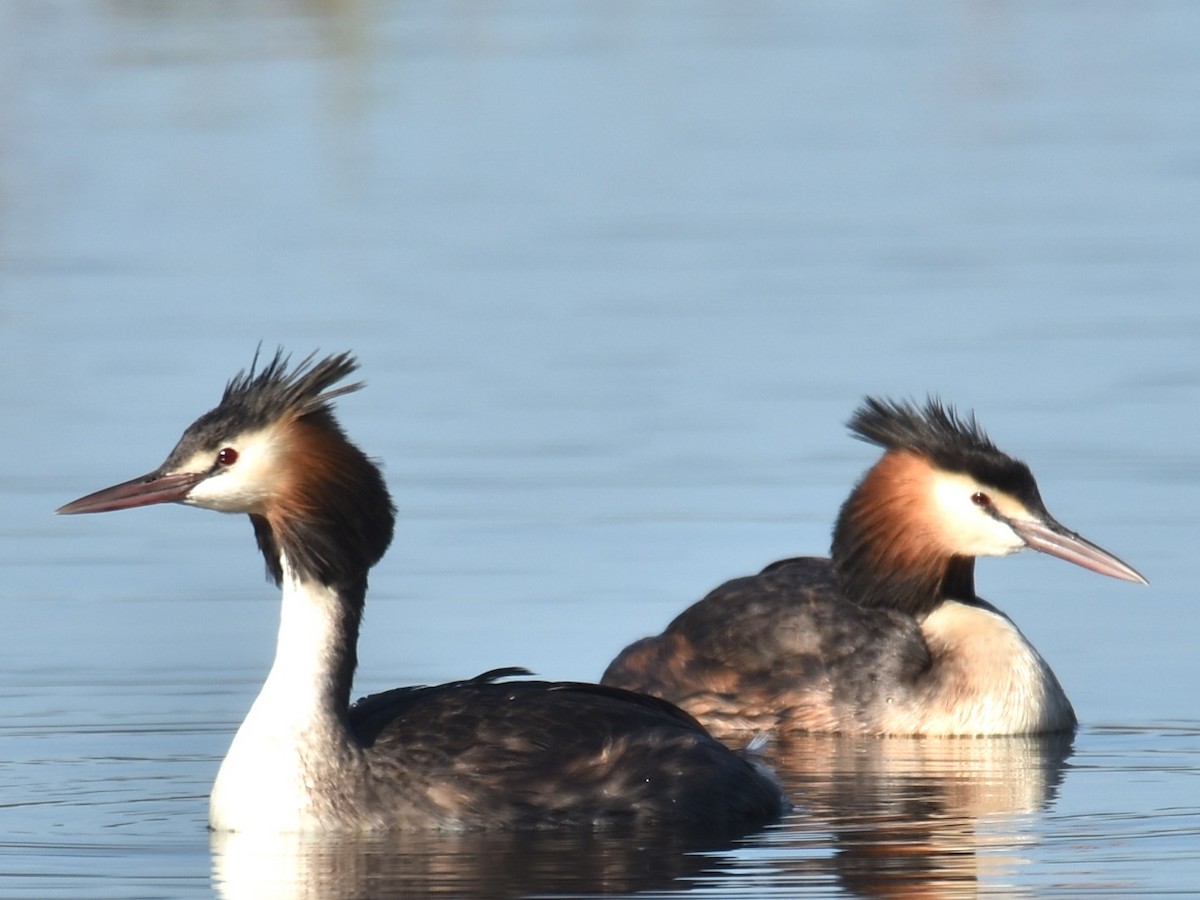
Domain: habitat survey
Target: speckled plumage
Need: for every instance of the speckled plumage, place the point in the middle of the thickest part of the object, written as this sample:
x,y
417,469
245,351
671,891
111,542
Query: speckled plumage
x,y
536,754
785,652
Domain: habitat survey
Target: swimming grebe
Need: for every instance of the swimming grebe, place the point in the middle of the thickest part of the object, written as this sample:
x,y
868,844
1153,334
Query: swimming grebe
x,y
888,636
466,755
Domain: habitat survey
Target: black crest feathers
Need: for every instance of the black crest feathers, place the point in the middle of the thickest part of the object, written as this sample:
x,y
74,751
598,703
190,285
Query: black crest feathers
x,y
951,441
262,397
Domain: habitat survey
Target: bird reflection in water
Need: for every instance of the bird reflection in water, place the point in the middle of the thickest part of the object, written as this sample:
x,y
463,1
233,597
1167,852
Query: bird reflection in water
x,y
911,817
475,864
915,817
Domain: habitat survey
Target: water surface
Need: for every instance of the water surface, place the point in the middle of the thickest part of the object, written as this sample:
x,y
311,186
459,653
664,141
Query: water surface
x,y
617,276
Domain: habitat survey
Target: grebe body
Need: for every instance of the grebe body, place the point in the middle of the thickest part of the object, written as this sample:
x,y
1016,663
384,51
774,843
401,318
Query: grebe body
x,y
887,636
476,754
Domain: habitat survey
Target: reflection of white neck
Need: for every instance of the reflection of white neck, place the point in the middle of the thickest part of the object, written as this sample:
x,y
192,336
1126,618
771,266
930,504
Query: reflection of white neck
x,y
294,736
264,865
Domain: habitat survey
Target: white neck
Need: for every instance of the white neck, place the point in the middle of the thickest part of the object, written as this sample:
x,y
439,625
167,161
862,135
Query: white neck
x,y
294,737
988,678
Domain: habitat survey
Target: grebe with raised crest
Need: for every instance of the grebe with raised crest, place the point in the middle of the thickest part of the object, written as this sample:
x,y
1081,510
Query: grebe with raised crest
x,y
474,754
887,636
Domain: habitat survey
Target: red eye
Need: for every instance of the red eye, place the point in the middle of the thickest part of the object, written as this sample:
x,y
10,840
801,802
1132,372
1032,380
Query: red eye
x,y
979,498
227,457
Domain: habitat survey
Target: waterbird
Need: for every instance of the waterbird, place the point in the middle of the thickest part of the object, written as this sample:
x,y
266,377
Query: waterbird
x,y
482,753
886,636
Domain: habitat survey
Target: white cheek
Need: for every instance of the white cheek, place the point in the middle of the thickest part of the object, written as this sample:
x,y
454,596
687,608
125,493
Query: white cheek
x,y
225,492
967,529
244,487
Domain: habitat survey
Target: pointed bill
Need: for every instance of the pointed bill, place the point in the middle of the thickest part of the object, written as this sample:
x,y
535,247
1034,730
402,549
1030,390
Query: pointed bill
x,y
143,491
1052,538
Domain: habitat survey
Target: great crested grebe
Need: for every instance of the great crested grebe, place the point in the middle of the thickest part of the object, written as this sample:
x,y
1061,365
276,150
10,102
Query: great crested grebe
x,y
466,755
888,636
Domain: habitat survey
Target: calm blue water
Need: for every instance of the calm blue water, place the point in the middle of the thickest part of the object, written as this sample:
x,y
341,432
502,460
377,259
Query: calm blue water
x,y
617,275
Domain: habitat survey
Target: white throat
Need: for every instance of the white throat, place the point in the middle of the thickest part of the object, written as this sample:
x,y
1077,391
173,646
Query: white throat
x,y
294,735
991,680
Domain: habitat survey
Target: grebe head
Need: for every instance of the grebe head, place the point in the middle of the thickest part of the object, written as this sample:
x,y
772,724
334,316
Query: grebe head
x,y
272,449
942,494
